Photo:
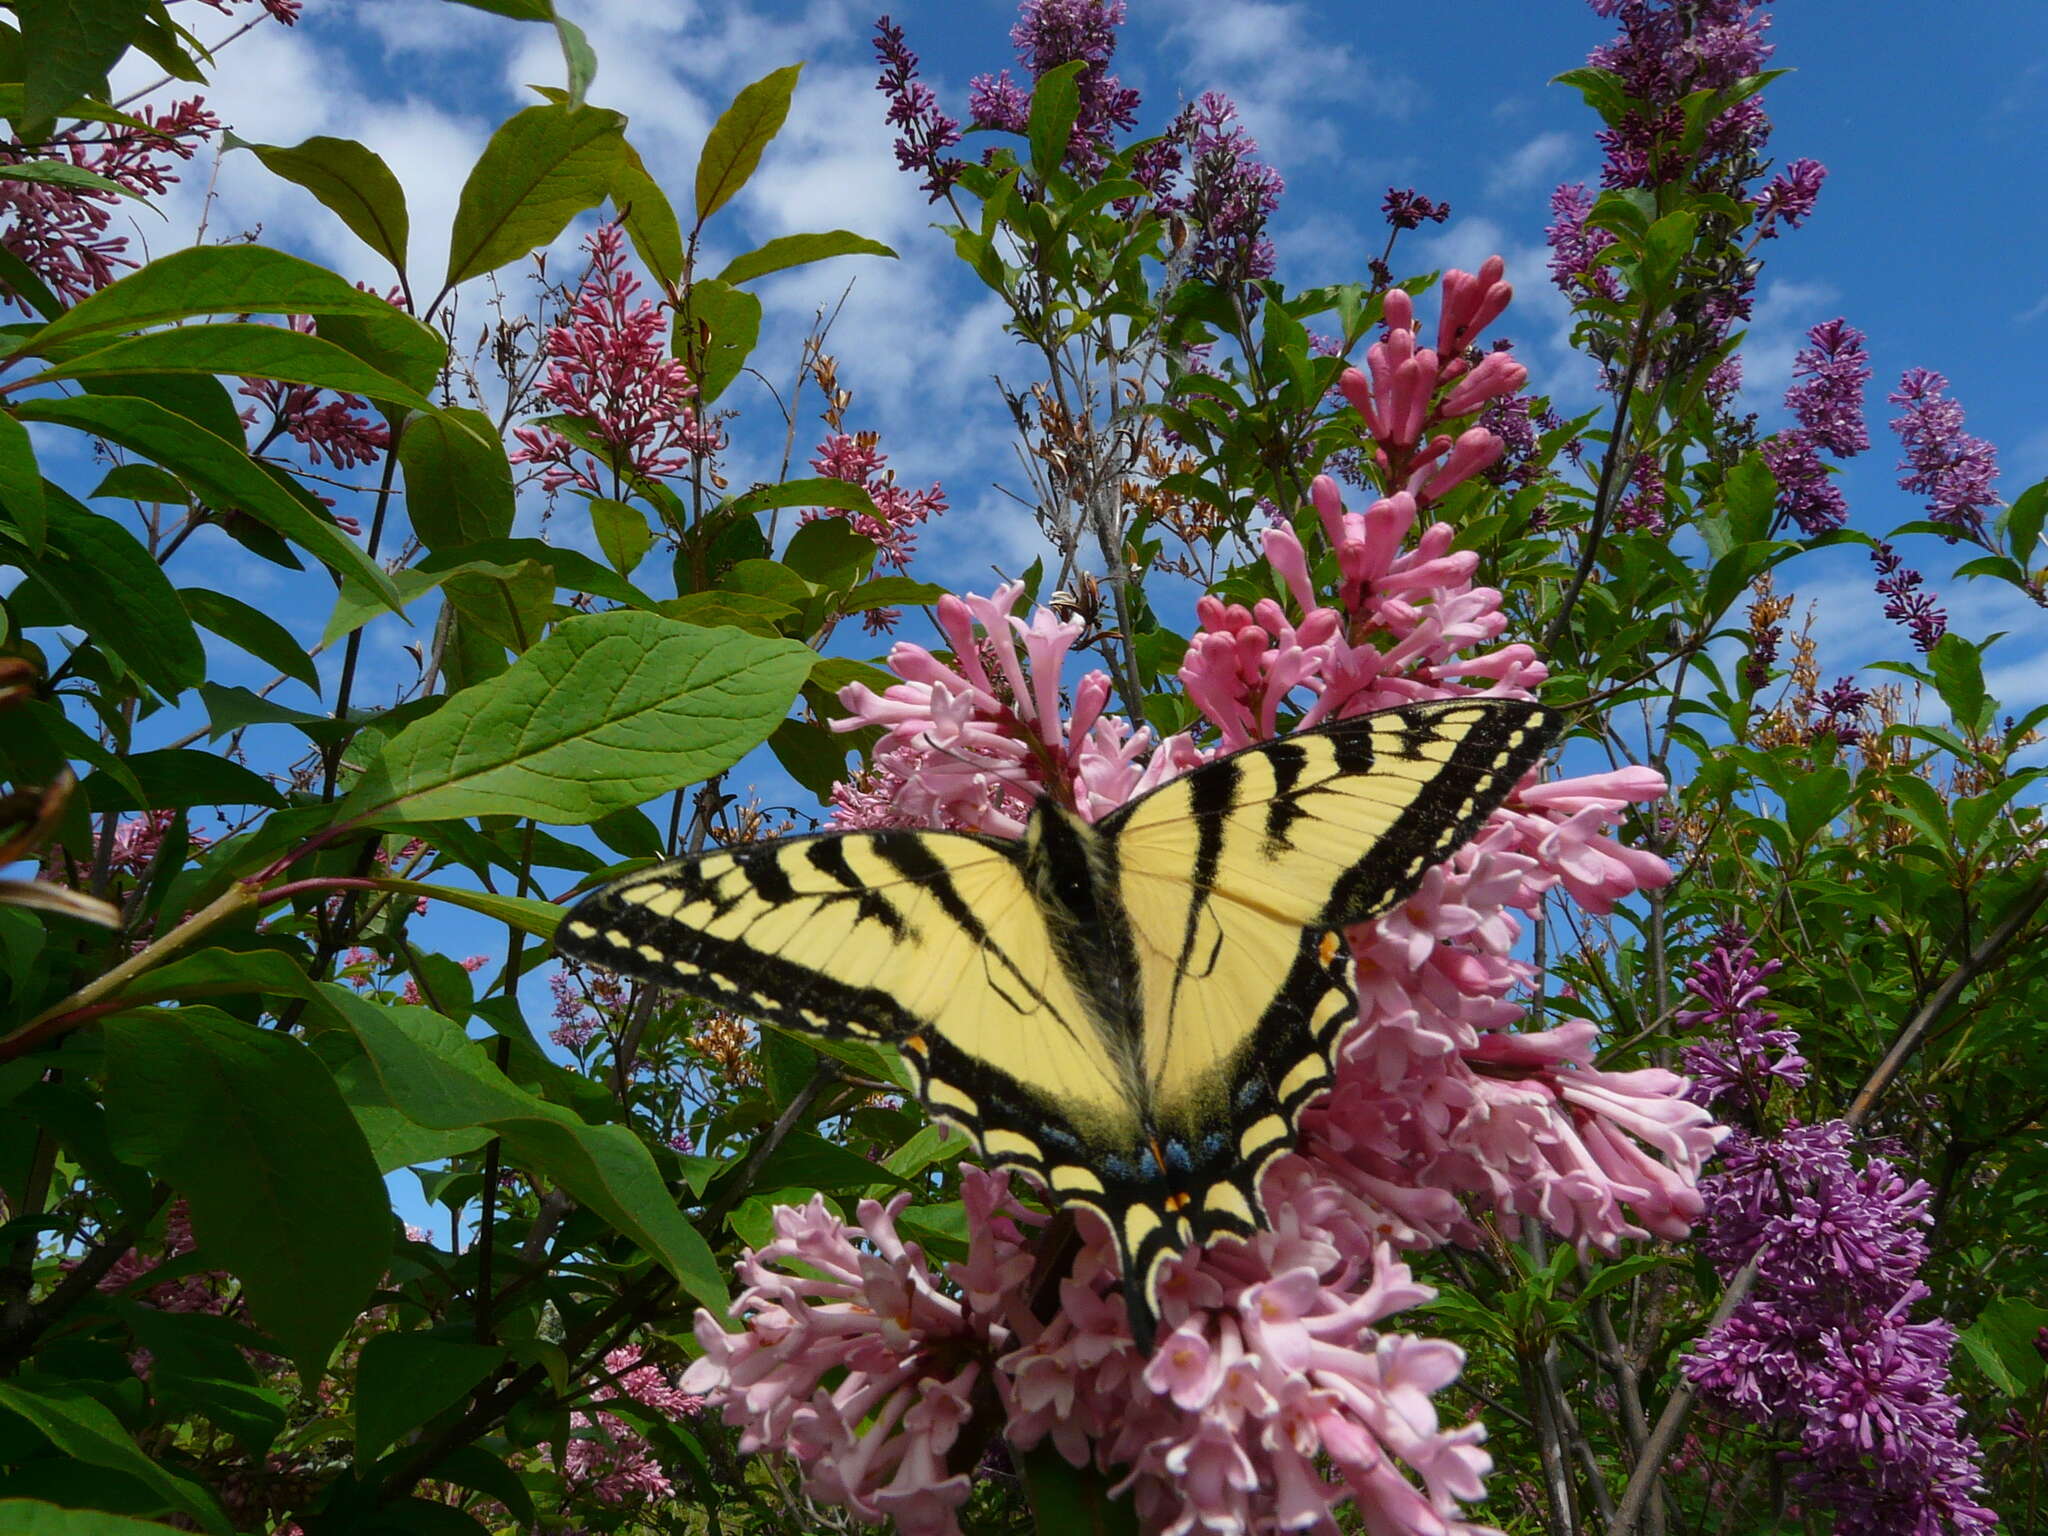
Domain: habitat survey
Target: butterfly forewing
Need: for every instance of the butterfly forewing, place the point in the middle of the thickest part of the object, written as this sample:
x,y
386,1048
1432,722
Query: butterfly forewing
x,y
930,940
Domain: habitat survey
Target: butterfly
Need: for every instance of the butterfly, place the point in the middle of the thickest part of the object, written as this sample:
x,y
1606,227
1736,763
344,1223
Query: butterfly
x,y
1135,1012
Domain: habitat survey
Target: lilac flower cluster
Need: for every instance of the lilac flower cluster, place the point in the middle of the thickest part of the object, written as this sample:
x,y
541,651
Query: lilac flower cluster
x,y
60,231
1943,463
1899,585
1574,249
924,132
1050,33
1822,1347
1230,194
1665,51
1830,370
1839,711
1408,209
1788,197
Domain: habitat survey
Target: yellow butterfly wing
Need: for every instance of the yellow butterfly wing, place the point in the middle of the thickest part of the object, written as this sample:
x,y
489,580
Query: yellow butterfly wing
x,y
930,940
1232,878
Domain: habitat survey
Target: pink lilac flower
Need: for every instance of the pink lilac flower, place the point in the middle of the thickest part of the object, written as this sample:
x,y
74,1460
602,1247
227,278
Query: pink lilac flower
x,y
576,1021
60,231
1953,470
1665,51
138,838
892,529
1049,33
609,366
202,1292
1821,1349
924,133
607,1460
411,996
1407,395
1282,1386
333,432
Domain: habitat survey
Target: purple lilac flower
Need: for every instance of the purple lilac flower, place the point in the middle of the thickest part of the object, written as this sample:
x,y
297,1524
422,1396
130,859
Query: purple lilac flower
x,y
1833,368
1407,209
1230,195
1822,1347
1050,33
1574,247
1839,711
1789,196
926,132
1806,491
1642,509
1666,50
1744,1052
1899,584
1943,463
1830,370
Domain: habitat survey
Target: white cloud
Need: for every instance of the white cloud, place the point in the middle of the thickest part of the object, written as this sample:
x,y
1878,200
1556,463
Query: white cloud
x,y
1255,51
1535,164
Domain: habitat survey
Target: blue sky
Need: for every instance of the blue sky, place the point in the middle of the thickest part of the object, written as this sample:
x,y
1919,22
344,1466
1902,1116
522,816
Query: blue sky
x,y
1928,236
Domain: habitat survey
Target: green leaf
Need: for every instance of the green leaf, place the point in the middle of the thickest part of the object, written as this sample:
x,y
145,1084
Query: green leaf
x,y
458,482
812,754
823,491
830,553
609,711
798,250
85,1429
577,57
541,168
649,219
517,10
539,918
253,630
1958,668
740,610
73,44
142,482
247,1125
100,573
174,778
1055,103
2001,1344
438,1077
725,323
404,1379
733,147
211,280
22,280
2023,522
393,343
352,182
64,174
257,351
217,469
29,1517
1074,1502
21,484
622,533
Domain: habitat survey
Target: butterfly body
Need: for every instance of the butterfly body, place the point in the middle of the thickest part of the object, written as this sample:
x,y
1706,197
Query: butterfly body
x,y
1135,1012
